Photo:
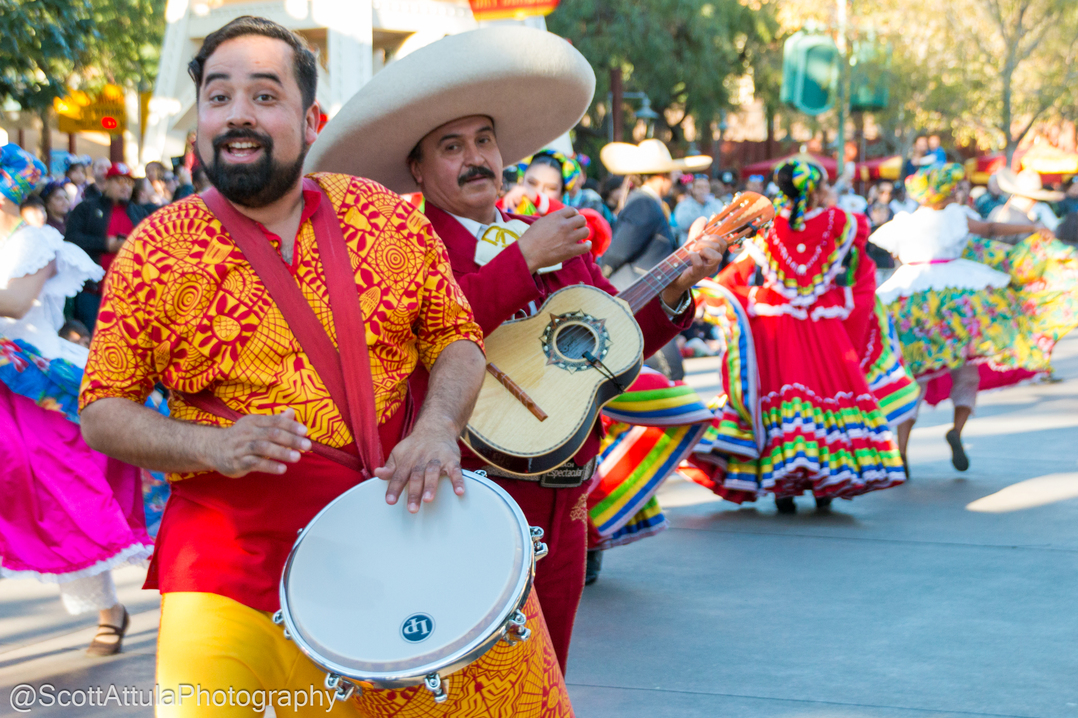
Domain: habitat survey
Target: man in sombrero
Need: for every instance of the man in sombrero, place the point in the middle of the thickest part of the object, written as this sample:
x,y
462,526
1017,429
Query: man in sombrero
x,y
445,120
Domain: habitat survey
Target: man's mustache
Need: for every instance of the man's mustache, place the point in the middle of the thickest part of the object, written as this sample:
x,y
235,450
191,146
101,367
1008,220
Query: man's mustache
x,y
475,172
239,133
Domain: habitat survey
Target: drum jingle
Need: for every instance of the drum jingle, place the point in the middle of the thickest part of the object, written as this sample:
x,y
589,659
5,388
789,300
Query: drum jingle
x,y
383,599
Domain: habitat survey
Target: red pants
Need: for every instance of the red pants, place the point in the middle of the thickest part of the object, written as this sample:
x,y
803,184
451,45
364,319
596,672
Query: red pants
x,y
559,577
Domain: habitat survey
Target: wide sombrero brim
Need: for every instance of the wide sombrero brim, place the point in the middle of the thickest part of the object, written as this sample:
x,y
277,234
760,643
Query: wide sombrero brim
x,y
1009,184
622,158
533,84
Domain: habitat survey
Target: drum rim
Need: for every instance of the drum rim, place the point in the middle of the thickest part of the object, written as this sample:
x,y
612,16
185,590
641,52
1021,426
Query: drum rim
x,y
463,656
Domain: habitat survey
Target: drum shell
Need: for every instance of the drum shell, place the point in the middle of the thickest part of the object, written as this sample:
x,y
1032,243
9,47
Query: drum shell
x,y
456,661
521,681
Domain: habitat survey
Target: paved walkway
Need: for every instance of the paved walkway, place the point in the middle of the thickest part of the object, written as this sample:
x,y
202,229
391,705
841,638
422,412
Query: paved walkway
x,y
951,596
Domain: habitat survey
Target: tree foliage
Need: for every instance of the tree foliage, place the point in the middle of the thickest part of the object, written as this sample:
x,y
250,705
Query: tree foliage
x,y
130,34
680,52
42,44
983,70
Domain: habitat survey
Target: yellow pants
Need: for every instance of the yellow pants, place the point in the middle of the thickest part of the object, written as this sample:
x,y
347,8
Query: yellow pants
x,y
216,655
222,659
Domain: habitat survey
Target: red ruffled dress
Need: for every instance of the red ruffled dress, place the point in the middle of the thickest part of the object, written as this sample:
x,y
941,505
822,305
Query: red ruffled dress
x,y
801,416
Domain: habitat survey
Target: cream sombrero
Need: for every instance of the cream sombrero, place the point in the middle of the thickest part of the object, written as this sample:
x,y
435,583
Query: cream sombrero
x,y
1026,183
648,158
533,84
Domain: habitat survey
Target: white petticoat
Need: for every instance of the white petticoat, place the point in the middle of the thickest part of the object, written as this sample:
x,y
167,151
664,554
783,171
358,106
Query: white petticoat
x,y
27,251
955,274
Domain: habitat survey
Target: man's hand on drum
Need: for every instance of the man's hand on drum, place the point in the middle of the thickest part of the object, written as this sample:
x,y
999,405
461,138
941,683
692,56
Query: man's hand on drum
x,y
418,463
256,442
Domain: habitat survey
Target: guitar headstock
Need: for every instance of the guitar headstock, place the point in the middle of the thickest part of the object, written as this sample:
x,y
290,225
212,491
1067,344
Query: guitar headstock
x,y
747,214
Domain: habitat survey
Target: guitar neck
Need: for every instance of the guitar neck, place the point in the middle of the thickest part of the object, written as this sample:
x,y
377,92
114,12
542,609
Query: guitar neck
x,y
651,284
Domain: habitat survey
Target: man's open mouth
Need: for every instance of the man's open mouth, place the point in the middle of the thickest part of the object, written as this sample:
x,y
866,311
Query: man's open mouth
x,y
241,149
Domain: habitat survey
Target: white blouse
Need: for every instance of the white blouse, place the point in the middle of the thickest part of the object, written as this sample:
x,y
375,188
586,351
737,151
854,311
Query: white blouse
x,y
929,243
27,251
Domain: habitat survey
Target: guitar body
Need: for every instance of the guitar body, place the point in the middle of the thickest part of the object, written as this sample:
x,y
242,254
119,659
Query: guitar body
x,y
551,357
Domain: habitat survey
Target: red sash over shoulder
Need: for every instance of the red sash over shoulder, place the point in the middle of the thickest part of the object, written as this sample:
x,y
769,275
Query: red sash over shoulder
x,y
232,536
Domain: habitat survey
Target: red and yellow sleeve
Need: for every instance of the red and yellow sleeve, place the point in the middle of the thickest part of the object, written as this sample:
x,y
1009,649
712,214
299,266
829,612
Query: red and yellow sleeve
x,y
445,316
121,355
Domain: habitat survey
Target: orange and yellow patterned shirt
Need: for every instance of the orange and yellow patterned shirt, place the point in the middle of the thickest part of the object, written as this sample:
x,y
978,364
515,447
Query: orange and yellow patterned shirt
x,y
183,307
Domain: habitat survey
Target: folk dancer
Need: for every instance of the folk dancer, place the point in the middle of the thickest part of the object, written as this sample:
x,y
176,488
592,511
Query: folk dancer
x,y
961,326
800,415
69,514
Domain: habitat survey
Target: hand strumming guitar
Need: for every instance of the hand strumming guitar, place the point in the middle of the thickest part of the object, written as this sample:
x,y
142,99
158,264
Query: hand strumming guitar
x,y
705,263
555,238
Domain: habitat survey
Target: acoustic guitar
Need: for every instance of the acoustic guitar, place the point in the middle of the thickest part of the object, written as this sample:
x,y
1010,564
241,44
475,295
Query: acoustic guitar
x,y
549,375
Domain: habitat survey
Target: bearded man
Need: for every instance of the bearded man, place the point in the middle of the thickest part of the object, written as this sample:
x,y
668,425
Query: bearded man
x,y
259,441
445,120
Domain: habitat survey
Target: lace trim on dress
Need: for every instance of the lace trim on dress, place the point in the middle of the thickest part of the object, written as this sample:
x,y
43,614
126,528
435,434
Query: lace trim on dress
x,y
788,285
838,311
137,554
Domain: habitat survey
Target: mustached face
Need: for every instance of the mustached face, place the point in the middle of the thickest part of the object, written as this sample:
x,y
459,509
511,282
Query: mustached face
x,y
245,170
459,167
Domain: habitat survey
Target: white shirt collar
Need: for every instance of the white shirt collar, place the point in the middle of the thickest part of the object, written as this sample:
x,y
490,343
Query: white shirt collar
x,y
476,229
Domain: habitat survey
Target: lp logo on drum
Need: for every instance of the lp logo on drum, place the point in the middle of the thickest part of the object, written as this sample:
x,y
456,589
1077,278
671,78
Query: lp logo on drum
x,y
417,627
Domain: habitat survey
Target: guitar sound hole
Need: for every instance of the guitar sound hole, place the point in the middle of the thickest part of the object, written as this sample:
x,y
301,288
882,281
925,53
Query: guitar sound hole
x,y
573,341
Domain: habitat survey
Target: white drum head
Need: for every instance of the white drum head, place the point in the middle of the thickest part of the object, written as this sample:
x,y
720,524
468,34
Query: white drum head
x,y
372,591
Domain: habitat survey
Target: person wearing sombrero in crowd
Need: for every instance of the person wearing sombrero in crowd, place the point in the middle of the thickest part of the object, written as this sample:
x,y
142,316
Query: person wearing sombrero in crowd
x,y
801,415
643,233
961,326
445,120
1028,203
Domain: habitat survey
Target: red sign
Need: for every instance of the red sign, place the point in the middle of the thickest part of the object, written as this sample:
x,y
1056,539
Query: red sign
x,y
109,123
511,9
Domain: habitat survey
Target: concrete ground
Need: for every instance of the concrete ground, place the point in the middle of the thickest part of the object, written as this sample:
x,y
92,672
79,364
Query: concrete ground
x,y
953,595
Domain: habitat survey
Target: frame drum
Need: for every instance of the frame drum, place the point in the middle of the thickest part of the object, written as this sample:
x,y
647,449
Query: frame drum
x,y
383,599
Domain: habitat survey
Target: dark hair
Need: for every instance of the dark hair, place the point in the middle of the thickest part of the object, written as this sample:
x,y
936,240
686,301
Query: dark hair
x,y
52,188
74,325
32,201
303,63
73,166
784,178
416,155
548,161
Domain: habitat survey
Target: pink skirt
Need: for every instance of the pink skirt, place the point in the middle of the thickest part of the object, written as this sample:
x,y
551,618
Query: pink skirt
x,y
67,511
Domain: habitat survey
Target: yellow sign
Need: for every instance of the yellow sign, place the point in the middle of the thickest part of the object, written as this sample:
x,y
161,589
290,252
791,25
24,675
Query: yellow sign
x,y
79,112
511,9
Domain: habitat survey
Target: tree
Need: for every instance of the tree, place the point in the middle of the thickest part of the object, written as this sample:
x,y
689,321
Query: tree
x,y
128,41
679,52
1019,58
42,44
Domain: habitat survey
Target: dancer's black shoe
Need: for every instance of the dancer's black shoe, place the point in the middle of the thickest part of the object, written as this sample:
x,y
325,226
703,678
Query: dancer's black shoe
x,y
595,565
958,453
786,505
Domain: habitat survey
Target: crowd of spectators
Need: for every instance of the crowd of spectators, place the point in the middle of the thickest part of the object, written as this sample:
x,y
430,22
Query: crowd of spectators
x,y
96,205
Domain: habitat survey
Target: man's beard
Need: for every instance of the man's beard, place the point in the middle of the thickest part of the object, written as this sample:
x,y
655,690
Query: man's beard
x,y
251,185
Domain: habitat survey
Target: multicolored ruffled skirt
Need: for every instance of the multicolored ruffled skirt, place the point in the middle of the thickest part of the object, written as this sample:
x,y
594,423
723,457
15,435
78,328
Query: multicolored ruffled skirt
x,y
892,384
1044,274
68,512
650,429
799,414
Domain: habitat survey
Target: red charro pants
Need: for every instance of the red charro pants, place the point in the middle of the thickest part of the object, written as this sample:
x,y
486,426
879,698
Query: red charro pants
x,y
559,577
